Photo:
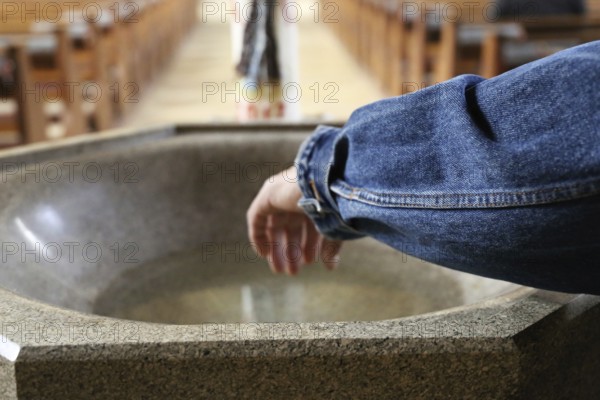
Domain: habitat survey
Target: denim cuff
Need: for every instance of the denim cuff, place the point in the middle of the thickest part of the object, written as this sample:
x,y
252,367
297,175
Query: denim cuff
x,y
314,165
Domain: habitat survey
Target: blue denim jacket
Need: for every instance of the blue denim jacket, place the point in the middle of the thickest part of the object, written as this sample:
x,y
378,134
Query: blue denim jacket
x,y
497,177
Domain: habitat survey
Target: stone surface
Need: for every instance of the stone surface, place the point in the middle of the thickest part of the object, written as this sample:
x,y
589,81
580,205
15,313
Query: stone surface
x,y
172,194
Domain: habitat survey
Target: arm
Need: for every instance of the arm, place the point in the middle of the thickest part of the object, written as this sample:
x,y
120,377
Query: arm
x,y
461,173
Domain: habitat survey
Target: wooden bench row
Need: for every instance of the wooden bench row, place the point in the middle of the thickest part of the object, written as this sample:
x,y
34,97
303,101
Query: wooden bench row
x,y
409,45
71,67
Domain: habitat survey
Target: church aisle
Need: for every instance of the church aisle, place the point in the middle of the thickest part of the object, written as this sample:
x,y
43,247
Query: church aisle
x,y
332,83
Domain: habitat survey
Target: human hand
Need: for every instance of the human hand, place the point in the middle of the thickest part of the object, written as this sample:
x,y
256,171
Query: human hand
x,y
281,232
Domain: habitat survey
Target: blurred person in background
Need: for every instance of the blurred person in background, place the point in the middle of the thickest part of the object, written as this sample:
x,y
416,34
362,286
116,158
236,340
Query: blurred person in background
x,y
265,47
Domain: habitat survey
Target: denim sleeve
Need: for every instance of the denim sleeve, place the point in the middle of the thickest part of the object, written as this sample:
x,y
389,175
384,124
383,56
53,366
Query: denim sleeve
x,y
464,168
314,167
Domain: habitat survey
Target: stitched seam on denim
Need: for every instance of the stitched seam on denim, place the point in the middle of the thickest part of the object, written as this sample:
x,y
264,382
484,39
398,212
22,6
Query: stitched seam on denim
x,y
355,190
467,200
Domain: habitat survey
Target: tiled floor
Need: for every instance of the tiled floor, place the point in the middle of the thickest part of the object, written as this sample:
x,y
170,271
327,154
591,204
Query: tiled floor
x,y
177,94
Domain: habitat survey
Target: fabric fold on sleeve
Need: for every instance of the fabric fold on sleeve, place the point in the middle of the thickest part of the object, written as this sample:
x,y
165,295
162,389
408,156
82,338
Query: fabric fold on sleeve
x,y
314,164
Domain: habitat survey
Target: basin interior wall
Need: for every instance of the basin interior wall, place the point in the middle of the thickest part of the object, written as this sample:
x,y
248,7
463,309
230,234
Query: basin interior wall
x,y
102,239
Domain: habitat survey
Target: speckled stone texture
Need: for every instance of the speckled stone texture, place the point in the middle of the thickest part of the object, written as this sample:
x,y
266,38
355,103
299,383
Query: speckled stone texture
x,y
520,343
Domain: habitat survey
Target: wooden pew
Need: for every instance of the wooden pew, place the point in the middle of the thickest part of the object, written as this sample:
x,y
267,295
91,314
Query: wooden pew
x,y
396,48
380,31
20,120
461,45
542,37
9,117
116,55
46,76
395,41
348,28
101,51
73,72
107,47
483,46
471,48
141,41
437,49
374,33
408,47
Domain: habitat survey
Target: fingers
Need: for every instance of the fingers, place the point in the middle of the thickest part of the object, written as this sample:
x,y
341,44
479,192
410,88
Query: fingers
x,y
273,255
259,237
329,251
292,248
291,241
257,219
310,242
284,238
